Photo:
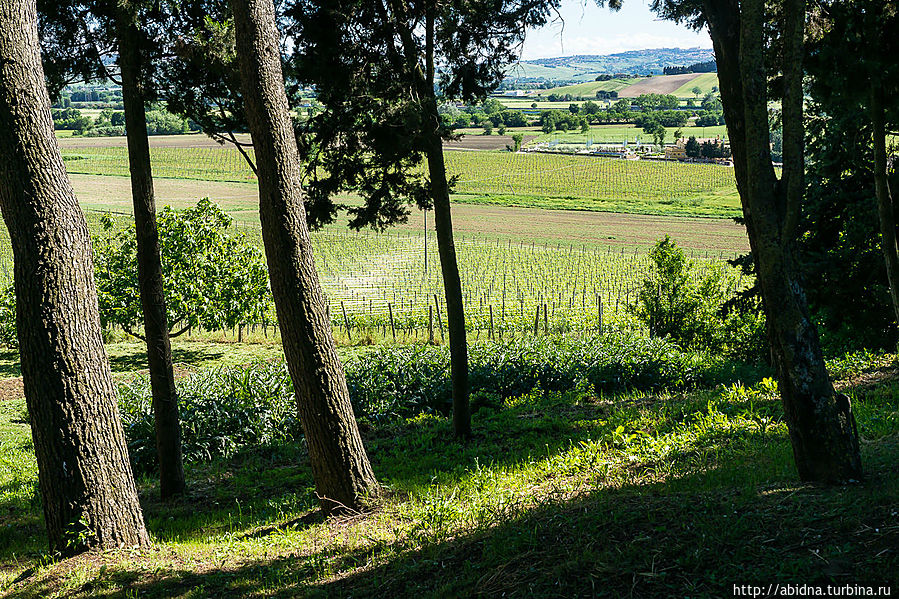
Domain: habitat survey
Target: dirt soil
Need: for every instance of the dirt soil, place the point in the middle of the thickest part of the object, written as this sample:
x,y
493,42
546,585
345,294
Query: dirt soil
x,y
193,140
200,140
11,388
663,84
484,142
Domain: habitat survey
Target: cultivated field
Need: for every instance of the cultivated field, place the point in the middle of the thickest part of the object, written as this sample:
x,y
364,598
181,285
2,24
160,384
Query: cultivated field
x,y
523,268
663,84
591,87
536,180
630,133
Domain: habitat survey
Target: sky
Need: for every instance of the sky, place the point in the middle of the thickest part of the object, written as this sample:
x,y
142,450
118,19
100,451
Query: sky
x,y
588,29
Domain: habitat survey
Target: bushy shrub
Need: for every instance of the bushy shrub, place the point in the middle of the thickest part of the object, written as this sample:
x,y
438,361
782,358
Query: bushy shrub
x,y
391,382
8,317
222,410
226,409
696,307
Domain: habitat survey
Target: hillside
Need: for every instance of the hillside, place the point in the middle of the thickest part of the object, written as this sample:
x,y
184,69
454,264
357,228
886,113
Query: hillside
x,y
663,84
587,67
705,82
678,85
590,88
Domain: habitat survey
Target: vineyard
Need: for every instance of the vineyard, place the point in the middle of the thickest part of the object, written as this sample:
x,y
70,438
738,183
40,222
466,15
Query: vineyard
x,y
522,179
385,283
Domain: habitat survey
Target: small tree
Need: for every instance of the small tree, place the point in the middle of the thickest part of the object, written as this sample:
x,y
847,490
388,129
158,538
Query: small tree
x,y
517,138
212,279
488,127
693,148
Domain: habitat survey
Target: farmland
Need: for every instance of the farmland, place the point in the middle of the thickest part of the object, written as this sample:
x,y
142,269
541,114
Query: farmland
x,y
630,133
576,261
536,180
678,85
590,88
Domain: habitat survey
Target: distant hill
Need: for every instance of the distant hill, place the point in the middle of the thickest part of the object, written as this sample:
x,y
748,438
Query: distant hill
x,y
587,67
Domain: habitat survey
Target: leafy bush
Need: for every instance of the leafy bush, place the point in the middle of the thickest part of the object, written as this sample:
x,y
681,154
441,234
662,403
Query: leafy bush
x,y
8,317
391,382
697,307
212,278
222,411
225,409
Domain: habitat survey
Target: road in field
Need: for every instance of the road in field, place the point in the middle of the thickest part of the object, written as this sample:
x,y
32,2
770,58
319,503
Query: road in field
x,y
495,222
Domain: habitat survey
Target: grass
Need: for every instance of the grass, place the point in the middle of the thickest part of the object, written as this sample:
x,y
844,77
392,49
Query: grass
x,y
590,88
619,133
503,173
705,82
558,495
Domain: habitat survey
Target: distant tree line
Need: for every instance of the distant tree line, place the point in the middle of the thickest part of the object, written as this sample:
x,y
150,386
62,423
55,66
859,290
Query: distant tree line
x,y
112,122
699,67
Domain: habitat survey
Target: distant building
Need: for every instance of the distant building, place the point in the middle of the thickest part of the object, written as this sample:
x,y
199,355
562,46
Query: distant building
x,y
676,152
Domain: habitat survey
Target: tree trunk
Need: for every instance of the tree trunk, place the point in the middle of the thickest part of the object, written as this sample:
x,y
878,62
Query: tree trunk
x,y
821,424
87,488
888,240
446,247
452,288
149,265
340,466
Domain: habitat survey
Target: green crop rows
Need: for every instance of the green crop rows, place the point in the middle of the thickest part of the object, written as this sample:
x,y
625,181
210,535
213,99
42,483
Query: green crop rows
x,y
373,276
523,179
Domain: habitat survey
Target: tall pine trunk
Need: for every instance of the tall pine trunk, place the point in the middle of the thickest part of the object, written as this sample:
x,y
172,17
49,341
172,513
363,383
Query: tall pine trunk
x,y
452,288
149,264
87,488
821,424
340,466
446,247
888,241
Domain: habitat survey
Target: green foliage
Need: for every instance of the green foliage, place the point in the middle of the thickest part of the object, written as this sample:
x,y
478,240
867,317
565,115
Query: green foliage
x,y
692,147
70,118
163,122
222,411
839,245
688,305
8,317
395,382
212,278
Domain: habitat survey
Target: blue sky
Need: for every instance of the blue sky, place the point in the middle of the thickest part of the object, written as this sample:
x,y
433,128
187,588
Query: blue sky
x,y
591,30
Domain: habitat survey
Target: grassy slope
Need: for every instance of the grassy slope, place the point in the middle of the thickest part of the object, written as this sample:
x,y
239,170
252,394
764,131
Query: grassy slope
x,y
558,495
591,87
705,82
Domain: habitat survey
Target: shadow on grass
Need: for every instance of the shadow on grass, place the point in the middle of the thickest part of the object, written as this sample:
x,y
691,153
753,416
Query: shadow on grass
x,y
134,357
698,533
9,364
638,541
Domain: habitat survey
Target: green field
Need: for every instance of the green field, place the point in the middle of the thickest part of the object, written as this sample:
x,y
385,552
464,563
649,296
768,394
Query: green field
x,y
387,286
590,88
563,181
620,133
373,276
705,82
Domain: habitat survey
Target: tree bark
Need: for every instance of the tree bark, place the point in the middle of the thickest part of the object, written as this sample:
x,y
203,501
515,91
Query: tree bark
x,y
888,242
340,466
149,264
446,247
452,287
87,488
821,424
